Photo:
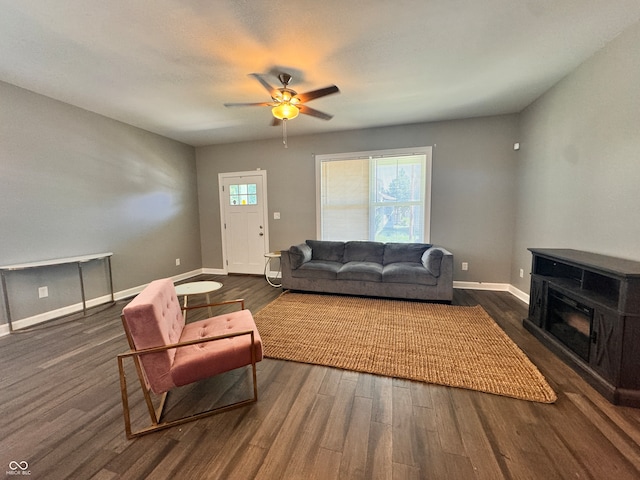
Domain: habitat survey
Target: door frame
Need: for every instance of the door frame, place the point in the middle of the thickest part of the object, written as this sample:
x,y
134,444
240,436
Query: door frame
x,y
221,200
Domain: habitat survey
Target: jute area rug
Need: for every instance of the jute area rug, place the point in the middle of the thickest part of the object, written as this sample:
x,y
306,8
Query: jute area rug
x,y
442,344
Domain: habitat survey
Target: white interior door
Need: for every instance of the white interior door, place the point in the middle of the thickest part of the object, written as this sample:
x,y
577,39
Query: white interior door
x,y
244,214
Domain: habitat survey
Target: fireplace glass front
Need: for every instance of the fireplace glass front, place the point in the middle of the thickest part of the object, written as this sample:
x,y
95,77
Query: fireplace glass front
x,y
570,322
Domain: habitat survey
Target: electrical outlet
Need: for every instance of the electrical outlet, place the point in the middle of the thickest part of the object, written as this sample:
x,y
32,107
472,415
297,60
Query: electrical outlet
x,y
522,273
465,265
43,292
177,262
276,215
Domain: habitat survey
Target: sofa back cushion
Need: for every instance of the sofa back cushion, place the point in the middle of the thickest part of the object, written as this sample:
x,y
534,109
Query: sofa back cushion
x,y
404,252
326,250
362,251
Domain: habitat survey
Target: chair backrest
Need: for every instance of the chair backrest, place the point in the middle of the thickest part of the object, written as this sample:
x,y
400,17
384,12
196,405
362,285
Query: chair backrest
x,y
153,319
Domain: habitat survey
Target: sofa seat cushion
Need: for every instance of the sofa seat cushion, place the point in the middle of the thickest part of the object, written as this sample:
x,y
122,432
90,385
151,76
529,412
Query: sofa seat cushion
x,y
363,271
320,269
195,362
408,272
362,251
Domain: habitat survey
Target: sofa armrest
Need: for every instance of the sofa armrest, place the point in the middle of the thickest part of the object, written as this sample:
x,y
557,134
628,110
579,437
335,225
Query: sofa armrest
x,y
432,260
299,254
444,289
446,266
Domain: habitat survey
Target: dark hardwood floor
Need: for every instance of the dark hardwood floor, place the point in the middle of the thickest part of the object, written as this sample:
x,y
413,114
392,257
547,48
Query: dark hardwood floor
x,y
61,413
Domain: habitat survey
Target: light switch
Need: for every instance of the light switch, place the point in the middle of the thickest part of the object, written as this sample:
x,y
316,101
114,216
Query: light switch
x,y
276,215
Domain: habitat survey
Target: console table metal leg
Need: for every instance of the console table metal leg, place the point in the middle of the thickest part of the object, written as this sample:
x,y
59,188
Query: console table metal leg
x,y
6,302
84,301
184,308
113,298
209,303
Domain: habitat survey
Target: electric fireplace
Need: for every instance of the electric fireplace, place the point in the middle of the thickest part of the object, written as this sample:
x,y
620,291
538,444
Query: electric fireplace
x,y
585,307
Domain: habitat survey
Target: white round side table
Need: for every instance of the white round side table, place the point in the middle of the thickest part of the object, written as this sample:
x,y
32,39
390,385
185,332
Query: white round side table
x,y
273,281
196,288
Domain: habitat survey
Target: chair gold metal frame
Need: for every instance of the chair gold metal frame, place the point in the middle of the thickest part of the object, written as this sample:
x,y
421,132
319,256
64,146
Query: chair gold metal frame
x,y
156,414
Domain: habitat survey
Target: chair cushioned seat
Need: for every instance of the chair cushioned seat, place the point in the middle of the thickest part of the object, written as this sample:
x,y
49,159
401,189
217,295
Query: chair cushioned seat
x,y
196,362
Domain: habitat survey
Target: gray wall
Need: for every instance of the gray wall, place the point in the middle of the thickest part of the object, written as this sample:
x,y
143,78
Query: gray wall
x,y
579,167
474,170
73,183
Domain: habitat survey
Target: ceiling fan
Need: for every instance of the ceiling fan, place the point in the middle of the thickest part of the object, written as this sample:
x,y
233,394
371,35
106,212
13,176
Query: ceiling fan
x,y
286,103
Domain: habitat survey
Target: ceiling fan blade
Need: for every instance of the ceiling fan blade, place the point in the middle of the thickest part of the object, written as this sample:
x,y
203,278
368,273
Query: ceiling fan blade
x,y
257,104
321,92
314,113
264,83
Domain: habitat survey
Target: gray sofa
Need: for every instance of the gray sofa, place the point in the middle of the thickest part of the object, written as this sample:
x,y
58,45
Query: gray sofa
x,y
396,270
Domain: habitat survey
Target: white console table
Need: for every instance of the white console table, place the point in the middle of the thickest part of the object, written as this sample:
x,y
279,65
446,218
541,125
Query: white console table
x,y
79,260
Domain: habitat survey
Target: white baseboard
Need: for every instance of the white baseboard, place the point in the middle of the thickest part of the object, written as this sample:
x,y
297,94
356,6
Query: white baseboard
x,y
494,287
50,315
130,292
93,302
214,271
519,294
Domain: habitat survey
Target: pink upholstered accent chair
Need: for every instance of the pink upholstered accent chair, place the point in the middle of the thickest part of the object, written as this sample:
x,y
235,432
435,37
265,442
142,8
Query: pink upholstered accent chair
x,y
168,353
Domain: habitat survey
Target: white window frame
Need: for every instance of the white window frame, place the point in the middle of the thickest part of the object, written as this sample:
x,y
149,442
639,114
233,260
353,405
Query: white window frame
x,y
427,151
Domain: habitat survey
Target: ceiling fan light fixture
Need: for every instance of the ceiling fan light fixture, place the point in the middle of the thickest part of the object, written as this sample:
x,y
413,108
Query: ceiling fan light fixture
x,y
286,95
285,111
287,104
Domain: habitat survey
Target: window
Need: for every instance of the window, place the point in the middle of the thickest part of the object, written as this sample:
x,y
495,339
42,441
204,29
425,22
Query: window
x,y
382,196
243,194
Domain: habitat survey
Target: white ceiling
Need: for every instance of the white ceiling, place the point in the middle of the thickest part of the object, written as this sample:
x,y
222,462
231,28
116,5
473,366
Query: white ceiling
x,y
169,65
